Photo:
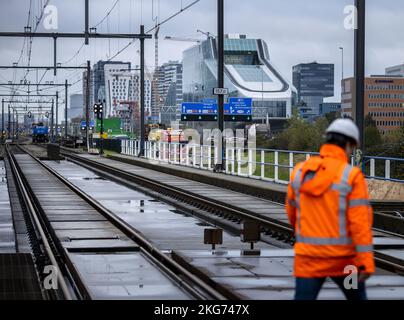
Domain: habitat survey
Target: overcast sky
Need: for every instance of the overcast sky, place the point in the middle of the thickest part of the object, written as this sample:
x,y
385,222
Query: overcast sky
x,y
296,31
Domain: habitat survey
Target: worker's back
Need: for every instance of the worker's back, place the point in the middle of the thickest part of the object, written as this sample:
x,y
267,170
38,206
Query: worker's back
x,y
328,206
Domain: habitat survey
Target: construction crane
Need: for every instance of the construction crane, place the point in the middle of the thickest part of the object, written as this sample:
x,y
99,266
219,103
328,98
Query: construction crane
x,y
182,39
208,34
156,69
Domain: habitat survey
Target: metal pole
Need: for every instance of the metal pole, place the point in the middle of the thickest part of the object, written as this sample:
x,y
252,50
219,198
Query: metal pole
x,y
220,74
16,125
88,105
52,132
102,133
86,14
342,68
13,124
2,119
9,123
57,115
142,94
262,93
66,88
360,70
55,55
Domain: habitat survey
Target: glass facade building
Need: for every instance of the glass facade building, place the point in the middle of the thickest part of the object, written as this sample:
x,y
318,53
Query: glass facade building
x,y
249,73
314,82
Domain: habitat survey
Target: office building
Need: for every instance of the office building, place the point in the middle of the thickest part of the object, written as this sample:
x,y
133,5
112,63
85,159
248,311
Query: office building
x,y
249,72
329,107
76,106
384,100
170,86
102,80
313,82
395,70
169,92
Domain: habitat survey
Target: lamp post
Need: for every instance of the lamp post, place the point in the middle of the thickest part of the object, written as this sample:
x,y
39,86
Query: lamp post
x,y
262,89
2,120
342,65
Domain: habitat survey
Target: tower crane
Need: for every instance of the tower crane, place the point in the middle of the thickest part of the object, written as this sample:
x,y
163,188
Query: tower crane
x,y
182,39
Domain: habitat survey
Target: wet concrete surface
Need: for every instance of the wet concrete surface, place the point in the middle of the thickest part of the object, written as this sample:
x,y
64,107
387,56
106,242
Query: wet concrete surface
x,y
270,276
7,236
123,276
109,263
267,276
161,223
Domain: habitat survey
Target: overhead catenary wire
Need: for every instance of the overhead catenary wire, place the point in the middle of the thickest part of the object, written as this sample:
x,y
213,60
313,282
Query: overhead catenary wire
x,y
39,19
75,55
107,15
157,26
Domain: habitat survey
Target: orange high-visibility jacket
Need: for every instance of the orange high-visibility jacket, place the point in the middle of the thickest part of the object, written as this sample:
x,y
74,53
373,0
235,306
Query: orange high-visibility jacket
x,y
328,205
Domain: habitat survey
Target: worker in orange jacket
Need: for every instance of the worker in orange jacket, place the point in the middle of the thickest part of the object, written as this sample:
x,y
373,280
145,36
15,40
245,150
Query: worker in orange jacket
x,y
328,206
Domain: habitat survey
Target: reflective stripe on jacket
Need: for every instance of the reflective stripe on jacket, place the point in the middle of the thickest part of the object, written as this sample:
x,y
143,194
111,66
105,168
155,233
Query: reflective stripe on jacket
x,y
328,205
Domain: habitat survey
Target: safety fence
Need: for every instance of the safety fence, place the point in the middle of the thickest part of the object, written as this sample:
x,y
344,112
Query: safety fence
x,y
264,164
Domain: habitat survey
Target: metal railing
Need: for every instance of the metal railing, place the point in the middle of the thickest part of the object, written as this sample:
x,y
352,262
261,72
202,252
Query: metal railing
x,y
384,168
263,164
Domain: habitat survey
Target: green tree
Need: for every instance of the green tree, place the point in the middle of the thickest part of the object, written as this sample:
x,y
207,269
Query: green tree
x,y
332,116
373,138
301,135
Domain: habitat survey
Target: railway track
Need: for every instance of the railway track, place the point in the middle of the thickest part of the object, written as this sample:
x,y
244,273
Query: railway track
x,y
270,227
60,253
229,217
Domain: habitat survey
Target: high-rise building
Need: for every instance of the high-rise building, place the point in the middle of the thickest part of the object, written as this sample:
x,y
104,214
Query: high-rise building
x,y
395,70
170,86
384,100
169,91
28,121
147,90
329,107
5,120
76,106
123,94
314,82
101,76
249,72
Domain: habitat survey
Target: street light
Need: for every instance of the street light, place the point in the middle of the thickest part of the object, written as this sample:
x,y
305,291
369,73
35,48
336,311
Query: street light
x,y
262,90
342,68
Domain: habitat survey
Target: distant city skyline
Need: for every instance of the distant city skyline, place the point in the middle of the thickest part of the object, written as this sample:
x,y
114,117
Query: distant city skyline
x,y
296,32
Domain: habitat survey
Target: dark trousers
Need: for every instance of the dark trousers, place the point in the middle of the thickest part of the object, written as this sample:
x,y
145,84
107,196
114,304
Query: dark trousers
x,y
309,288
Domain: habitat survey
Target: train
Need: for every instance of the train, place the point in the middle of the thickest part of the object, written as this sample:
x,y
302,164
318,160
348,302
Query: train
x,y
40,133
169,135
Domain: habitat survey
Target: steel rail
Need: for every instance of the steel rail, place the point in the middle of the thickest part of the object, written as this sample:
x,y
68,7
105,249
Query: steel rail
x,y
382,261
265,222
34,214
194,285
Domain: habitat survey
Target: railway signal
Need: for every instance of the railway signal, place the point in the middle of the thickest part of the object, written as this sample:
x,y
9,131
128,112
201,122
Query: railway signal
x,y
99,112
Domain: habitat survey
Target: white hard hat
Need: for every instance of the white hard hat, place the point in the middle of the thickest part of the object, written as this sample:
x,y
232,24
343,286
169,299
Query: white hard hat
x,y
346,127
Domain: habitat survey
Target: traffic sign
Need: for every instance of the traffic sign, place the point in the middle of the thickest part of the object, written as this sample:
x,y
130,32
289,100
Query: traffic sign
x,y
237,110
192,111
83,124
220,91
240,106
